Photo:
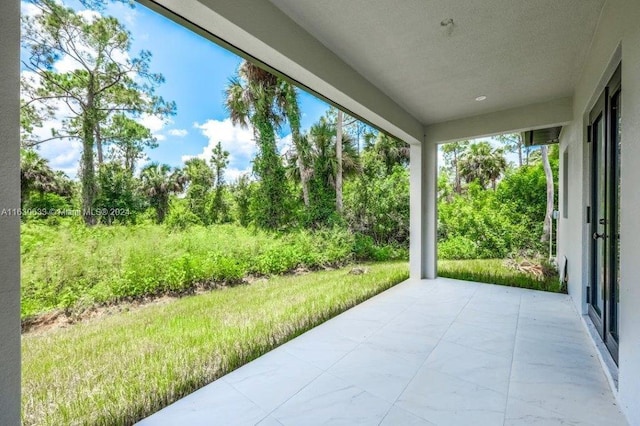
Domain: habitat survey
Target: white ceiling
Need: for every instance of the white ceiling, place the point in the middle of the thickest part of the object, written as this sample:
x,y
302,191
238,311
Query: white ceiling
x,y
515,52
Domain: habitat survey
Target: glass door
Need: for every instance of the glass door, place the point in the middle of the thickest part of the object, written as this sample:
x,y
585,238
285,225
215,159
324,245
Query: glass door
x,y
597,280
613,227
602,295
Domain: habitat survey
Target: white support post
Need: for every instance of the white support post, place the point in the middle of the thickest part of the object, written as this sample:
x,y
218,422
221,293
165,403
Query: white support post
x,y
9,224
416,230
423,211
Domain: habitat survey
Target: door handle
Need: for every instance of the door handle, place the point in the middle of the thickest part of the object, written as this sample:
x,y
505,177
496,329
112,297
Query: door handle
x,y
596,236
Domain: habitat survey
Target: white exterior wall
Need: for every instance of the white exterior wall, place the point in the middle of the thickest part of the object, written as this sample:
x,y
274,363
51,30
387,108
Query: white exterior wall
x,y
617,38
9,225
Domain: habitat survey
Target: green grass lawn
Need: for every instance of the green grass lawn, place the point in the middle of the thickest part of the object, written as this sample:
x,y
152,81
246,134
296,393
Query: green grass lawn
x,y
120,368
494,271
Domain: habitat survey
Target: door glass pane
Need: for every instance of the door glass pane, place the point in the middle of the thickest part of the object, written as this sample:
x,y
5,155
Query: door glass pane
x,y
616,119
598,223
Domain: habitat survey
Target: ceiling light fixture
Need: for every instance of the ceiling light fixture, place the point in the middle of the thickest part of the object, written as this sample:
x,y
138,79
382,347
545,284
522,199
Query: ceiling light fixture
x,y
446,22
448,25
481,98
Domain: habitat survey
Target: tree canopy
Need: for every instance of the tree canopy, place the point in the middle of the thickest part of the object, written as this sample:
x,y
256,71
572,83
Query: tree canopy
x,y
102,80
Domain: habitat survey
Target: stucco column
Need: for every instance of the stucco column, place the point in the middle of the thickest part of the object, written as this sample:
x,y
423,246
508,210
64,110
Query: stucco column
x,y
9,224
423,210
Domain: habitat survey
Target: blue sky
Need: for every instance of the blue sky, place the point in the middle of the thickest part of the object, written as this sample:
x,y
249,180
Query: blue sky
x,y
196,72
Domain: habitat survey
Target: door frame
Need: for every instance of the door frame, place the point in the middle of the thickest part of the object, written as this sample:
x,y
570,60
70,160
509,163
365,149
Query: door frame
x,y
601,114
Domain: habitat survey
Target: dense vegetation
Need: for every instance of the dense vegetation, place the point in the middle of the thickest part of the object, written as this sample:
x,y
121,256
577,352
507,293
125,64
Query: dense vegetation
x,y
341,191
72,268
119,368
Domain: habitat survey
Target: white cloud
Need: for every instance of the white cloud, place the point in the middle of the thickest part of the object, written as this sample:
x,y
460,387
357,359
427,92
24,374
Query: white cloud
x,y
31,79
232,174
181,133
237,141
128,13
285,144
155,124
121,57
66,64
63,154
152,122
29,9
89,15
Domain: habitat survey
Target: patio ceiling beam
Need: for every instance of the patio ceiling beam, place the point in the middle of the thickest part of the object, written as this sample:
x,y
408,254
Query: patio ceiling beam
x,y
258,29
558,112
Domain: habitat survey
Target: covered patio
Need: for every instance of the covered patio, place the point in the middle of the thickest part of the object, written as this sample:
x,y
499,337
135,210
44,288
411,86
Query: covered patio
x,y
437,352
430,351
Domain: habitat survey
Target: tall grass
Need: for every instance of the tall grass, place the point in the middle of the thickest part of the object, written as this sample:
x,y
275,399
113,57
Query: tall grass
x,y
121,368
71,267
493,271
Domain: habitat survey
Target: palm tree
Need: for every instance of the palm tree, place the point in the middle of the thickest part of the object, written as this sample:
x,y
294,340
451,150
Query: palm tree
x,y
64,185
483,164
322,140
452,152
35,174
391,151
252,100
159,181
287,100
324,168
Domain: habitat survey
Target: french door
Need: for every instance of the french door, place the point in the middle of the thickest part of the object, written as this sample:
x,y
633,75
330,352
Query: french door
x,y
604,282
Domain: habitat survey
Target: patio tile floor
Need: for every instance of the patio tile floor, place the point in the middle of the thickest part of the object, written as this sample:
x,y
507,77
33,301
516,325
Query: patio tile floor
x,y
437,352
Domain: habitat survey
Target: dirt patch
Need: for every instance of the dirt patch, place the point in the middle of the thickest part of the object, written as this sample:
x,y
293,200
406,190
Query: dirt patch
x,y
358,271
61,319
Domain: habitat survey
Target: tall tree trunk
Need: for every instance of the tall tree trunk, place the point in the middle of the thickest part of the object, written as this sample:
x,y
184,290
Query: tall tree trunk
x,y
129,159
520,141
293,115
98,143
304,179
88,170
292,112
301,163
339,161
458,187
546,229
268,166
88,174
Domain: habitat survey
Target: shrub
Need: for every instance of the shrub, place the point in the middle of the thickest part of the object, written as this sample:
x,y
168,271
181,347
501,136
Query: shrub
x,y
457,247
377,203
180,217
70,265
